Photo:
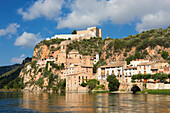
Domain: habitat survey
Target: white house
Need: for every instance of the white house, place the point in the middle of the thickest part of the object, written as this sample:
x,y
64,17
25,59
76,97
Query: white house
x,y
115,68
144,68
134,63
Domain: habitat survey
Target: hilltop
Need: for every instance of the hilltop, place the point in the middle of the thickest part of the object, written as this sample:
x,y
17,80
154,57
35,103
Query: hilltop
x,y
51,58
148,44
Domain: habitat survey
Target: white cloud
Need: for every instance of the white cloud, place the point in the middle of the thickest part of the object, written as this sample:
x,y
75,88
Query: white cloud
x,y
18,59
85,13
47,8
11,29
28,40
151,21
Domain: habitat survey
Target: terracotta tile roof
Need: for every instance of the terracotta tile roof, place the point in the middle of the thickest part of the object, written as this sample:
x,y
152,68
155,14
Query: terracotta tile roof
x,y
74,51
73,74
87,66
119,64
145,63
78,74
131,68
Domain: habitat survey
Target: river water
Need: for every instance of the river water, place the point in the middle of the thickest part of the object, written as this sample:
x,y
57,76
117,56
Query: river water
x,y
84,102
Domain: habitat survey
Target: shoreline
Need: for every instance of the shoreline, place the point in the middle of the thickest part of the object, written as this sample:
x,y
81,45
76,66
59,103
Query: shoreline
x,y
146,91
155,91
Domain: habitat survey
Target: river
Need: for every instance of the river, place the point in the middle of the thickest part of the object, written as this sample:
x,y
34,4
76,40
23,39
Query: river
x,y
84,102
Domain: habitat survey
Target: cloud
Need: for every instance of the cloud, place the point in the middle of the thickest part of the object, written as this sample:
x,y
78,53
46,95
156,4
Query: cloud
x,y
85,13
47,8
28,40
18,59
156,20
11,29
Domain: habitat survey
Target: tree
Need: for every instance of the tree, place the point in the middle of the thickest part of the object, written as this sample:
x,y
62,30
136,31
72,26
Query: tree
x,y
164,54
146,76
51,79
74,32
61,85
92,83
113,83
83,84
162,77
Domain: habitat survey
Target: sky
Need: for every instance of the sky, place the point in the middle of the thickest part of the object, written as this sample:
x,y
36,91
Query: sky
x,y
24,23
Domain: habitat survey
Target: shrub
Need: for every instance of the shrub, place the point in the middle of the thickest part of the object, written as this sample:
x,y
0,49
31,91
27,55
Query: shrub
x,y
113,83
83,84
74,32
92,83
164,54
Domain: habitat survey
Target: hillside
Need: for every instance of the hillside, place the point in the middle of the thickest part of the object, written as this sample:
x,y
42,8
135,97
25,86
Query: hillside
x,y
9,78
148,44
153,44
4,69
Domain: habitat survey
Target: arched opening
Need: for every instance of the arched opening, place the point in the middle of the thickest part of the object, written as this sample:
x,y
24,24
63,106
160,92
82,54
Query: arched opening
x,y
135,89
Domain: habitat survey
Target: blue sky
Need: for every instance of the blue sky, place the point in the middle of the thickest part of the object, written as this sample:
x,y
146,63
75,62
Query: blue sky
x,y
24,23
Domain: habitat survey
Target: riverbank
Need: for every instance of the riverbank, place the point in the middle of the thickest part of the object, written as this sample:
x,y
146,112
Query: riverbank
x,y
155,91
10,90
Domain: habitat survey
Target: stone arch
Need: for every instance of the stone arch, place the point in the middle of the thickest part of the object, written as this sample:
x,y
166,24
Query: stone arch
x,y
135,89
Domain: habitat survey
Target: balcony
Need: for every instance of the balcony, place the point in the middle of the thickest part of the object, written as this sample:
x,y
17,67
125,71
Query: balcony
x,y
102,73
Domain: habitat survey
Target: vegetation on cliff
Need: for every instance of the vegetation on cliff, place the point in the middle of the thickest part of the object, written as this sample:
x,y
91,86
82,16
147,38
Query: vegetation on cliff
x,y
111,47
11,80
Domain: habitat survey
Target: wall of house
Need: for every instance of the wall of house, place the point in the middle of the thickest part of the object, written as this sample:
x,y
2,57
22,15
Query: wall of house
x,y
73,82
143,69
157,86
87,70
130,72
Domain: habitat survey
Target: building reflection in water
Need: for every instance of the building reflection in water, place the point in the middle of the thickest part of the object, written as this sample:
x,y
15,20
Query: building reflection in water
x,y
99,102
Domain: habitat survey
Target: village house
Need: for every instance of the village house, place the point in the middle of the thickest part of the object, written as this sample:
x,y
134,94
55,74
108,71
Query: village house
x,y
131,69
144,68
114,68
42,63
76,68
73,82
129,72
160,67
73,57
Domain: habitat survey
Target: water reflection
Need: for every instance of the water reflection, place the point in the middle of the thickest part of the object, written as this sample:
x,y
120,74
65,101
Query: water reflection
x,y
85,102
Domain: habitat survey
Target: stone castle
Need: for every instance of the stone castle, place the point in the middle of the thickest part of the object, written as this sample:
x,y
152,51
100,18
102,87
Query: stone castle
x,y
83,34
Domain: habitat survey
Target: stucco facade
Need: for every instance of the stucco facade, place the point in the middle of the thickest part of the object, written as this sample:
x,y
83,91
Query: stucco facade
x,y
73,81
115,68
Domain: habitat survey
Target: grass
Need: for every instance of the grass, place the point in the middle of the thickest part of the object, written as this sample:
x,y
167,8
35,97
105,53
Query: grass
x,y
156,91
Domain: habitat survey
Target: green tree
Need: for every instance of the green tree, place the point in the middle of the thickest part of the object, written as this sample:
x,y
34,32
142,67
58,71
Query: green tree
x,y
113,83
74,32
61,85
92,83
146,76
51,79
83,84
164,54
